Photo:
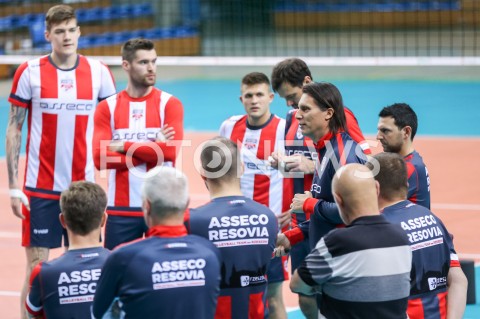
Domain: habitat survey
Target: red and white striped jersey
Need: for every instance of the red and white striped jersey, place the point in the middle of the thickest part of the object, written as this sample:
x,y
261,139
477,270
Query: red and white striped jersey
x,y
136,121
60,104
260,181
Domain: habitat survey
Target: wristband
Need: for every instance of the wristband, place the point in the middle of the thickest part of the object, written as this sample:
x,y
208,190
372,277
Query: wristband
x,y
16,193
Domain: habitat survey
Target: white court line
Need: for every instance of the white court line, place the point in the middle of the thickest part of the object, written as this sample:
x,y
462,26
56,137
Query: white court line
x,y
10,234
7,293
456,206
292,309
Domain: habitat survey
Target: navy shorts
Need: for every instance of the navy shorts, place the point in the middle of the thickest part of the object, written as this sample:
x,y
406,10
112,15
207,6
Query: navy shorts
x,y
298,253
41,226
123,229
277,270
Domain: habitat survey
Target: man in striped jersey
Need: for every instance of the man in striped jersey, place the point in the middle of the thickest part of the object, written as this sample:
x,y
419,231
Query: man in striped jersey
x,y
363,270
258,134
129,139
60,92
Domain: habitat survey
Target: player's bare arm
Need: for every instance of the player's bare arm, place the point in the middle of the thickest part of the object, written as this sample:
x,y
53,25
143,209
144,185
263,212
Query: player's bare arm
x,y
165,133
284,219
283,246
275,158
299,163
13,142
298,200
297,285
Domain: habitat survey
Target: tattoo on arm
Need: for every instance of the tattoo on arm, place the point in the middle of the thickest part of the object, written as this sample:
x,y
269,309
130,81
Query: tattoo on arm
x,y
13,142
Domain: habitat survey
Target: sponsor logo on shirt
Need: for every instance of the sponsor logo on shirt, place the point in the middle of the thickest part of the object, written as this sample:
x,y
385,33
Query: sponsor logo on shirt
x,y
66,84
91,255
78,286
40,231
423,232
242,230
66,106
259,166
434,283
308,154
236,202
250,143
176,245
137,114
178,273
248,280
299,133
150,134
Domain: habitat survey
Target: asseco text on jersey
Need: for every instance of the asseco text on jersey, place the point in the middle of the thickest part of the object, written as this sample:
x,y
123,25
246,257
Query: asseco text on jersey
x,y
253,226
79,282
67,106
421,228
127,136
178,270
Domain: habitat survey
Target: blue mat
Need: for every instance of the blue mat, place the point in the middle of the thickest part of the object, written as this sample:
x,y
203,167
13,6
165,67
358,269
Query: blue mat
x,y
443,108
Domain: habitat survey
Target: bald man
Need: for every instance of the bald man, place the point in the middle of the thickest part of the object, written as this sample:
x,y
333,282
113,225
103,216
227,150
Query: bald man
x,y
363,270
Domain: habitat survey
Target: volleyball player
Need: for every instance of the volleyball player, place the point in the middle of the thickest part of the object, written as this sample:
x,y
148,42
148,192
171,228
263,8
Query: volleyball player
x,y
59,92
129,139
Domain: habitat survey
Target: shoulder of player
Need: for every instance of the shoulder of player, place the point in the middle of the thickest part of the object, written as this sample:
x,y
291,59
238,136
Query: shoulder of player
x,y
234,119
281,119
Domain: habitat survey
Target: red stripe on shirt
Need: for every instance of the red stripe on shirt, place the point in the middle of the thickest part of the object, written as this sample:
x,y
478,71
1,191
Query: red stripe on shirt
x,y
48,79
152,109
442,304
79,160
16,79
238,132
287,193
224,307
26,238
122,109
47,151
266,145
35,273
410,171
261,186
83,74
256,308
415,308
122,196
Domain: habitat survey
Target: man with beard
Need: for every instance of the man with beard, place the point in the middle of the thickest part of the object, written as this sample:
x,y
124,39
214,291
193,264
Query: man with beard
x,y
135,130
397,127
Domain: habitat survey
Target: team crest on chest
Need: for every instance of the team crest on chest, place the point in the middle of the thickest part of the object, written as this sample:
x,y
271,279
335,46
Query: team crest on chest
x,y
250,143
137,114
299,133
66,84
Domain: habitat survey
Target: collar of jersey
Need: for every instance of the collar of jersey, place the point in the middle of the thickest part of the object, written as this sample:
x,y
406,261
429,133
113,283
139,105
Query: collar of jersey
x,y
321,142
167,231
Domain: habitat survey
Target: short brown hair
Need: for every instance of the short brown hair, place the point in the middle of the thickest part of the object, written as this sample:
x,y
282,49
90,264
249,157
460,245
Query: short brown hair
x,y
130,47
83,205
58,14
292,71
392,176
227,153
255,78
